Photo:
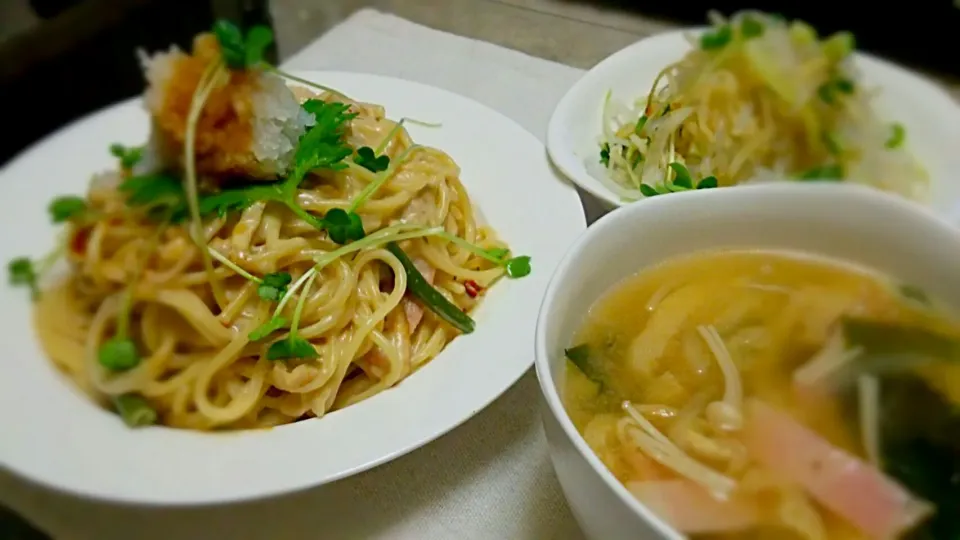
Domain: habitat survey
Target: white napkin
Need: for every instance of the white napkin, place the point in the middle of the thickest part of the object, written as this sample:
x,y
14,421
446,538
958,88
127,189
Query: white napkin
x,y
490,478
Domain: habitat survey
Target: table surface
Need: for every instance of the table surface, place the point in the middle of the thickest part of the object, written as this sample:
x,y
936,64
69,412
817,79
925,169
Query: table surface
x,y
577,33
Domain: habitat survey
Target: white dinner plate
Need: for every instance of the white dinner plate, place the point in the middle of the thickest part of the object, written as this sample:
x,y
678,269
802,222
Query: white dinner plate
x,y
931,117
54,435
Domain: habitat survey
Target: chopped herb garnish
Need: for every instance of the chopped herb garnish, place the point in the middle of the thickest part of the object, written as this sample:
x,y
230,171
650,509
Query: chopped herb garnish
x,y
751,28
647,190
368,160
134,410
716,39
239,52
274,286
128,156
23,273
67,208
897,136
605,155
829,173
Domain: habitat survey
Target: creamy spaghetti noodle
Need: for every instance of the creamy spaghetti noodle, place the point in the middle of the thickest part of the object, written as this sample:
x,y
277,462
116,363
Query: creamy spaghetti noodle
x,y
134,275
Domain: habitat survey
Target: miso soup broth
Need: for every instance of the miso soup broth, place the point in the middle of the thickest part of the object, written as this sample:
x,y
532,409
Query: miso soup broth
x,y
772,395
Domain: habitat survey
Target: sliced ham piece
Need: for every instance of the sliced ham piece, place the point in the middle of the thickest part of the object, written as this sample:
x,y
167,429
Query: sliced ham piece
x,y
841,482
691,510
411,307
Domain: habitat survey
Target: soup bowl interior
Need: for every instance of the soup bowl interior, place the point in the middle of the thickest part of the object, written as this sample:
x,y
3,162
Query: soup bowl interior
x,y
847,223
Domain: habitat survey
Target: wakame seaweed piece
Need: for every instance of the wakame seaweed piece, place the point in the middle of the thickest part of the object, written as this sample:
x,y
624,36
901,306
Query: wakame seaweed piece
x,y
896,347
582,357
920,448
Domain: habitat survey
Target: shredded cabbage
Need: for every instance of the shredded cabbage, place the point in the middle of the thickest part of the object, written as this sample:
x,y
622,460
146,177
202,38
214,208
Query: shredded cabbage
x,y
757,98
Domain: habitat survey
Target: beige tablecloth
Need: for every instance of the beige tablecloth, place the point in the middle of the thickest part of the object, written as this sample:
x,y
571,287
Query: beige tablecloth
x,y
489,479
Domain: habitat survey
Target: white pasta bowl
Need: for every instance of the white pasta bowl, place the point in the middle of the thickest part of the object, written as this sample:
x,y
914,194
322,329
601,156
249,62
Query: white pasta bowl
x,y
851,223
930,116
54,435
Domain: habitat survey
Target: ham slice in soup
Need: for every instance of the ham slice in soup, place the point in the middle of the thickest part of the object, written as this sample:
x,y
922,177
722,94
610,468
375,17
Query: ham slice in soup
x,y
412,308
688,508
850,487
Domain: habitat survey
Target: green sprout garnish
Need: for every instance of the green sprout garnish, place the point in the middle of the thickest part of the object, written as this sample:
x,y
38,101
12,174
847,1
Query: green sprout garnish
x,y
716,39
66,208
368,160
682,181
241,52
128,155
294,346
23,273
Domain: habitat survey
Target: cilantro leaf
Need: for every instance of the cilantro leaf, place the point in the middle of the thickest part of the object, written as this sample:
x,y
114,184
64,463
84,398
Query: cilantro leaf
x,y
274,286
322,146
66,208
22,272
342,226
267,328
118,354
291,347
370,161
128,156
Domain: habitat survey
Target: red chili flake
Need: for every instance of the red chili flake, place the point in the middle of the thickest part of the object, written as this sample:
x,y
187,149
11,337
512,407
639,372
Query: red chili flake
x,y
78,244
472,288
